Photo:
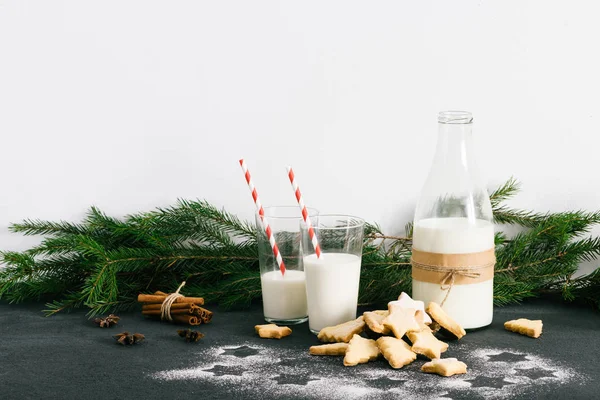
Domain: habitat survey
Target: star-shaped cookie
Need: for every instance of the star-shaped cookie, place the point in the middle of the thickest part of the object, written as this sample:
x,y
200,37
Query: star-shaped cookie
x,y
342,332
445,367
426,344
525,326
374,321
331,349
396,351
272,331
406,301
360,351
401,320
446,323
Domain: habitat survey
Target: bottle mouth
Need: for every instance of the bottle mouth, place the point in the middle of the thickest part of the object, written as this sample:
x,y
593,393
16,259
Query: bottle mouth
x,y
455,117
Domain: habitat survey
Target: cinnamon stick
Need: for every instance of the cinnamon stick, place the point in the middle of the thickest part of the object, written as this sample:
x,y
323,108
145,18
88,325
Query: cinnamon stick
x,y
182,318
177,306
173,312
153,298
191,309
204,314
186,319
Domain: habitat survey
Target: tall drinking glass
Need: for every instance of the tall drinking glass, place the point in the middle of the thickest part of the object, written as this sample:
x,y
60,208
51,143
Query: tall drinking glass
x,y
284,296
332,281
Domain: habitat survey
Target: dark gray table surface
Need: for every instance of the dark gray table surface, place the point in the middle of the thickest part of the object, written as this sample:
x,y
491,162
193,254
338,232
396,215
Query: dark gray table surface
x,y
68,357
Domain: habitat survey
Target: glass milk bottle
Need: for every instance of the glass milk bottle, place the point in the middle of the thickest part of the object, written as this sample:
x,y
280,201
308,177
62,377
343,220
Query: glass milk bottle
x,y
453,238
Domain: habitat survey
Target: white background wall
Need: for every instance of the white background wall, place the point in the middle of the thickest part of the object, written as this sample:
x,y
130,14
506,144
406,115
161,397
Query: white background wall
x,y
131,104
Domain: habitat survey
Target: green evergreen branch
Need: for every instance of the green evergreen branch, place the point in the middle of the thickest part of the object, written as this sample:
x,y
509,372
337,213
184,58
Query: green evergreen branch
x,y
507,215
31,227
504,192
510,216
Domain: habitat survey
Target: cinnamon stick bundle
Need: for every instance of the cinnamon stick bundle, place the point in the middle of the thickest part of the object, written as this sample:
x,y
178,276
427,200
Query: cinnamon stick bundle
x,y
182,318
184,310
177,306
154,298
190,309
173,312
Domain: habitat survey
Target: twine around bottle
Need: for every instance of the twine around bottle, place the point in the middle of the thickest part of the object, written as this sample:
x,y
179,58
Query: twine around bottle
x,y
447,282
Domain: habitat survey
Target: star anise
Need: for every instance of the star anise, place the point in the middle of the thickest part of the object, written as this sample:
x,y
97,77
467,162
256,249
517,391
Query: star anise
x,y
190,335
126,338
107,322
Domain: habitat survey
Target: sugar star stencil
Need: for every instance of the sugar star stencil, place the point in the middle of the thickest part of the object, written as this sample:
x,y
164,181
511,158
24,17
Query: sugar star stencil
x,y
291,379
457,394
487,381
386,383
242,351
291,372
293,363
508,357
535,373
221,370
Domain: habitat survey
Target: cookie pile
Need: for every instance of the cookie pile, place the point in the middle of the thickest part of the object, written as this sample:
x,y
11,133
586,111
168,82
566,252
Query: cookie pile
x,y
385,331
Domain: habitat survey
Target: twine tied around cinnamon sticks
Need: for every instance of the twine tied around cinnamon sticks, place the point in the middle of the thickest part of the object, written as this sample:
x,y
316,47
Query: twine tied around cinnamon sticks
x,y
175,307
451,269
165,308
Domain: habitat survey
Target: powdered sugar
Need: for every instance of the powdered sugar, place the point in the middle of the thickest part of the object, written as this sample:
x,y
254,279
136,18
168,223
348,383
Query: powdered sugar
x,y
253,369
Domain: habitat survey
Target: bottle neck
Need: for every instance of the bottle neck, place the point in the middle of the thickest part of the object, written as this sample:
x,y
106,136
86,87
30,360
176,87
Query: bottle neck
x,y
453,188
455,146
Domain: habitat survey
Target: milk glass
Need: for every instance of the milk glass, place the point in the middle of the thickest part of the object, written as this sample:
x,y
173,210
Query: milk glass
x,y
453,221
332,281
284,296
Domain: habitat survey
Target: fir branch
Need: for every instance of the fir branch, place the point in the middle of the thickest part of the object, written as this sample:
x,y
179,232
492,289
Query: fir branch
x,y
509,291
32,227
504,192
510,216
71,300
583,289
187,216
507,215
63,244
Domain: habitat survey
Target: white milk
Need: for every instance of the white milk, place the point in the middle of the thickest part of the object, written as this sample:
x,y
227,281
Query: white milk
x,y
470,305
284,297
331,289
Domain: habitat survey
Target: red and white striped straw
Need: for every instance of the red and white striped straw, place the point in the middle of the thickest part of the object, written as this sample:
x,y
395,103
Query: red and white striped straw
x,y
305,216
261,212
